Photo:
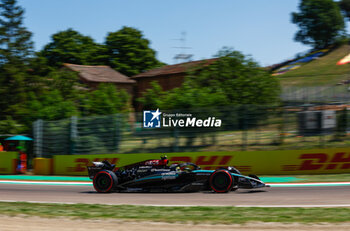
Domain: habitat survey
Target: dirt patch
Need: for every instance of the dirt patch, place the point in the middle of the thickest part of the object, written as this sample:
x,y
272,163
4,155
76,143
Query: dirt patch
x,y
66,224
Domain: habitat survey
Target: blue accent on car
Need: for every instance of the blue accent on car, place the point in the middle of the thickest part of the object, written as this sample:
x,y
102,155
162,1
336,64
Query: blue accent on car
x,y
211,171
156,177
208,171
149,178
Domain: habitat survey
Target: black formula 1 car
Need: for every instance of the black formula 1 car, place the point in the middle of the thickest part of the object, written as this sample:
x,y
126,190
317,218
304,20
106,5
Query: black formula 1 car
x,y
157,176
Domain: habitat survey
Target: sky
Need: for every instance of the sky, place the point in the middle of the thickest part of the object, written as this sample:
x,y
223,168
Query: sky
x,y
260,28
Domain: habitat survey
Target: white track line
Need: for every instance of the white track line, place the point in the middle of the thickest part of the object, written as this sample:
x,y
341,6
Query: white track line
x,y
294,206
177,205
309,184
90,183
45,182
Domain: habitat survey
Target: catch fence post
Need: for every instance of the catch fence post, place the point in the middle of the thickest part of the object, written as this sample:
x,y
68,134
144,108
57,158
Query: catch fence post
x,y
73,134
38,138
117,134
244,129
176,140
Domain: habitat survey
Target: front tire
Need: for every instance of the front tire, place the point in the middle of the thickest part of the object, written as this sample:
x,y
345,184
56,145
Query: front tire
x,y
104,181
221,181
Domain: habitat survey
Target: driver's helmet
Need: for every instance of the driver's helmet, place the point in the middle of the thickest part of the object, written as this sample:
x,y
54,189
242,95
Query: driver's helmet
x,y
164,159
160,163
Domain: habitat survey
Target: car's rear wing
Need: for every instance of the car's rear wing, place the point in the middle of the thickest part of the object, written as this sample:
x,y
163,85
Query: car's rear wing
x,y
98,166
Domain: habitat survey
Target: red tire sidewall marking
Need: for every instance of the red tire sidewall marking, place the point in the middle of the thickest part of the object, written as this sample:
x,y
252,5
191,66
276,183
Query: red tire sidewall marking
x,y
221,191
109,188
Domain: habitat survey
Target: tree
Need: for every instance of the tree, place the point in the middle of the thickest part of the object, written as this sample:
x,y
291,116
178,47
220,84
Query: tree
x,y
190,97
106,100
15,41
234,88
70,46
67,83
15,51
345,7
153,96
232,80
51,106
238,78
129,52
10,126
320,23
12,90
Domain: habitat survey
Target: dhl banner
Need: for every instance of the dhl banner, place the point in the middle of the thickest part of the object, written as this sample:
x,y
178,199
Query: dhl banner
x,y
8,162
289,162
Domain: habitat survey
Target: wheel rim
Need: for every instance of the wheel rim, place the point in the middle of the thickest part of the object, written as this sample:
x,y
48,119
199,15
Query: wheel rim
x,y
103,182
221,181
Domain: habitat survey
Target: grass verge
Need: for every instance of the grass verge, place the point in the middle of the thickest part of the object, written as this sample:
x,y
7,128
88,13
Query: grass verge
x,y
213,215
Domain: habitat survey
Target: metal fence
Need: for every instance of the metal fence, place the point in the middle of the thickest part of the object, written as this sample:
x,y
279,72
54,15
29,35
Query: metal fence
x,y
245,127
98,134
317,94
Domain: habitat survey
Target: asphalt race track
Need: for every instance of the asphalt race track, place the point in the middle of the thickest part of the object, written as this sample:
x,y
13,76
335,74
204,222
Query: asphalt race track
x,y
315,196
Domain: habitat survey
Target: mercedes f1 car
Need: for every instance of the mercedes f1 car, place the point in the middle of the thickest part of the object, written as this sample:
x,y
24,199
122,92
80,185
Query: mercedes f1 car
x,y
157,176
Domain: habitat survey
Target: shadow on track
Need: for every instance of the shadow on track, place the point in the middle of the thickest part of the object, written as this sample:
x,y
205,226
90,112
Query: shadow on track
x,y
155,192
251,191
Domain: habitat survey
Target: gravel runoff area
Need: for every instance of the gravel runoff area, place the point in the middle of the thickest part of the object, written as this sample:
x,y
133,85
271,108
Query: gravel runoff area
x,y
65,224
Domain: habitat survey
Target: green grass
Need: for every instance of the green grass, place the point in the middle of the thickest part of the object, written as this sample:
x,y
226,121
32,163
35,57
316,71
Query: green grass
x,y
322,71
213,215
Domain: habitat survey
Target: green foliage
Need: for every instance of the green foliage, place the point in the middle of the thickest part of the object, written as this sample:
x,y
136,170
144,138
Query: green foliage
x,y
58,137
187,97
233,88
232,80
342,121
51,106
320,23
35,87
291,218
106,100
12,90
98,134
66,82
238,78
15,43
10,126
58,98
39,66
70,46
15,49
95,134
125,50
345,7
153,96
129,52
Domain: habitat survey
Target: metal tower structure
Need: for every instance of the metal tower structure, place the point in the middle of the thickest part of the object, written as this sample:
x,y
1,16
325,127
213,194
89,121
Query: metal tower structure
x,y
182,56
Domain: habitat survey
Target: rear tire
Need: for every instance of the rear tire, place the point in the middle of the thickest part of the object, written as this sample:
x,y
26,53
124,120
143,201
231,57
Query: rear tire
x,y
221,181
105,181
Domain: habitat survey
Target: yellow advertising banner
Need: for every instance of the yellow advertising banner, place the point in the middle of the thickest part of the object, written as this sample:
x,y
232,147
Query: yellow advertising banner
x,y
290,162
8,162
